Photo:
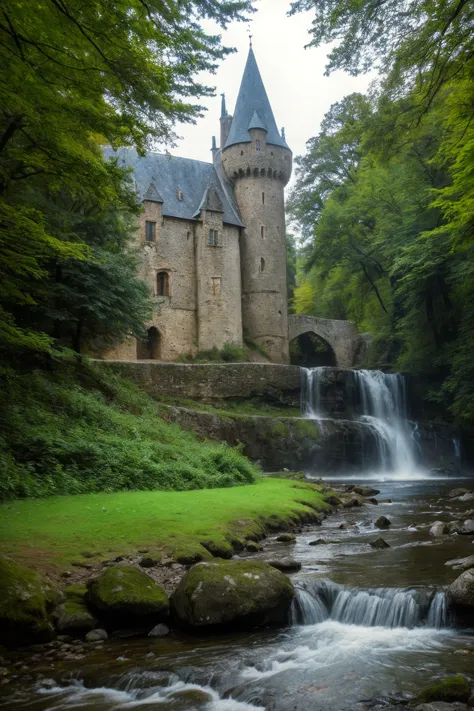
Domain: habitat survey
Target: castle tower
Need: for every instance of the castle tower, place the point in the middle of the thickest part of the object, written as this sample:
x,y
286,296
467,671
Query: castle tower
x,y
258,161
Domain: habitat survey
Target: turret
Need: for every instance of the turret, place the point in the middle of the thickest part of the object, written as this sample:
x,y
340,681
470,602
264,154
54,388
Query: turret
x,y
226,122
258,161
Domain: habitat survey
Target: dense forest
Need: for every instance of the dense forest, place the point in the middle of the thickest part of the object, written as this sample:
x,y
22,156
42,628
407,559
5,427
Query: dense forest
x,y
384,198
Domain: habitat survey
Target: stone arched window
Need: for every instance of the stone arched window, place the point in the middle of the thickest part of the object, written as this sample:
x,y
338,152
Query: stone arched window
x,y
257,145
162,284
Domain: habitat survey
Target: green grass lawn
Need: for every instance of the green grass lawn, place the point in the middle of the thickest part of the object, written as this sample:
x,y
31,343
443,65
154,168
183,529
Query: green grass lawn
x,y
54,532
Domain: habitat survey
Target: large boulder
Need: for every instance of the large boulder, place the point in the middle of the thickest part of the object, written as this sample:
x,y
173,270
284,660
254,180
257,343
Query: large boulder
x,y
128,596
451,689
383,522
454,493
228,593
439,528
73,617
461,563
468,528
26,601
460,594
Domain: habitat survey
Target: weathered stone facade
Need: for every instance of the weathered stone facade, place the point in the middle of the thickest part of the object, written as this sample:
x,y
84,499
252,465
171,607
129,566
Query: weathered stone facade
x,y
212,243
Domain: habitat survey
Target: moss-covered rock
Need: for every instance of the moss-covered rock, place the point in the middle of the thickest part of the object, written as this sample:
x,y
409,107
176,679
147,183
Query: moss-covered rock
x,y
453,688
77,591
460,594
228,593
127,594
218,548
26,601
73,617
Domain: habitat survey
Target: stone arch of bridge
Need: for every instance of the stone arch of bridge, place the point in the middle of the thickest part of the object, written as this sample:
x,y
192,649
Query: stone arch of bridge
x,y
342,336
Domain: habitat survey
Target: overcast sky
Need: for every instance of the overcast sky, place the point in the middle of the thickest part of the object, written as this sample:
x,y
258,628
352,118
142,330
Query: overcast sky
x,y
294,78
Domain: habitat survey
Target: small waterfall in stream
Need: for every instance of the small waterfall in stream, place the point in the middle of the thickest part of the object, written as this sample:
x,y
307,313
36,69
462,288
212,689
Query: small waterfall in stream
x,y
379,405
317,601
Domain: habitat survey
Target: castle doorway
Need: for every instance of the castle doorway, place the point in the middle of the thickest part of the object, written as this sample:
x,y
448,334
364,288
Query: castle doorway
x,y
311,351
150,349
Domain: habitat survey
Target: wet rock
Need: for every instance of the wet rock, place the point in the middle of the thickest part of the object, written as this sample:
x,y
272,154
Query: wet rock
x,y
379,544
286,538
365,491
467,497
150,655
439,528
286,565
454,527
26,601
127,594
160,630
468,528
383,522
147,562
351,503
454,493
461,563
72,617
232,593
373,501
96,636
189,699
460,594
451,689
333,500
385,501
253,547
318,542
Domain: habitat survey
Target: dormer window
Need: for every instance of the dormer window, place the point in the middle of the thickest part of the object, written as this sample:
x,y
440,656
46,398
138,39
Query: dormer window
x,y
179,194
150,231
257,145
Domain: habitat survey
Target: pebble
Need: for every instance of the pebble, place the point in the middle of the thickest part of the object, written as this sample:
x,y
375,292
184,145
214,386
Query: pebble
x,y
159,631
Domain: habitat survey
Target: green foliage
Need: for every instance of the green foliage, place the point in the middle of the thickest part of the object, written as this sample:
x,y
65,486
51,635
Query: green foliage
x,y
385,193
71,427
257,347
73,78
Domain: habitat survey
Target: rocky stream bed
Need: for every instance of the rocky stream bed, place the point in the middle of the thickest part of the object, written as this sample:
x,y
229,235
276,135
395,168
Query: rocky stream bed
x,y
351,623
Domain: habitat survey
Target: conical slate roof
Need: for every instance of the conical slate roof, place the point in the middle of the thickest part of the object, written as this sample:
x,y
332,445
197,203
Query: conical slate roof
x,y
253,99
256,122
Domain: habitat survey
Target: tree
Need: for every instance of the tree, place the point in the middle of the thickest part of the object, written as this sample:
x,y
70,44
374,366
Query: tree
x,y
74,77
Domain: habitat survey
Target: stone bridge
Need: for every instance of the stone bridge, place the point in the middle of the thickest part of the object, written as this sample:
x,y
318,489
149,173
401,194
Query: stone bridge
x,y
342,336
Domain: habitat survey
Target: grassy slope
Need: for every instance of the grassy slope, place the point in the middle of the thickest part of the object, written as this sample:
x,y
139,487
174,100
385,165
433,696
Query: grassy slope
x,y
70,427
56,531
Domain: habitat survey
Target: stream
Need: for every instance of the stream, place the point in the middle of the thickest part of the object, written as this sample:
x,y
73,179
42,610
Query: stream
x,y
366,624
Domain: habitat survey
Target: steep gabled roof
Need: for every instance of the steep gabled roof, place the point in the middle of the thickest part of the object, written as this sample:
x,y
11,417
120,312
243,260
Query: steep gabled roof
x,y
253,99
170,174
210,201
256,122
152,194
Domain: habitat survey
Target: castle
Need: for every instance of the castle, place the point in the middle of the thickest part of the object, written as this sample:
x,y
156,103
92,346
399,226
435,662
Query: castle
x,y
212,237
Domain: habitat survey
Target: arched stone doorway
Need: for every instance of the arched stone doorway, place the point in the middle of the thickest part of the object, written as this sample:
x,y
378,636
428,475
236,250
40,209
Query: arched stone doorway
x,y
150,349
311,351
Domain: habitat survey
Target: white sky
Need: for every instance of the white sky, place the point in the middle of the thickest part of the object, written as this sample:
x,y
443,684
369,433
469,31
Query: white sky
x,y
294,78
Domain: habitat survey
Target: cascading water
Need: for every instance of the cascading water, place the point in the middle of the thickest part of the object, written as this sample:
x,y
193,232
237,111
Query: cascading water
x,y
380,407
317,601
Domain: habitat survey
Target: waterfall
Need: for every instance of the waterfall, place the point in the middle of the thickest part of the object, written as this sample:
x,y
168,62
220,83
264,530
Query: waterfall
x,y
379,405
457,447
317,601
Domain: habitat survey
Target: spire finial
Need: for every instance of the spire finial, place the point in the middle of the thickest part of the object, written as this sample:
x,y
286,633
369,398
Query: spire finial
x,y
250,36
223,107
283,134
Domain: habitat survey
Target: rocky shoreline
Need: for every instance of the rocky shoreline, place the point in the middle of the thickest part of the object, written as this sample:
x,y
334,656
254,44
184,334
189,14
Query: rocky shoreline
x,y
43,626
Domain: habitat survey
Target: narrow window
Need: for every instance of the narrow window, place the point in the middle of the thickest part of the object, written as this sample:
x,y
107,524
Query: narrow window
x,y
150,231
162,284
241,153
188,235
262,232
179,194
257,145
262,264
216,286
213,238
263,198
